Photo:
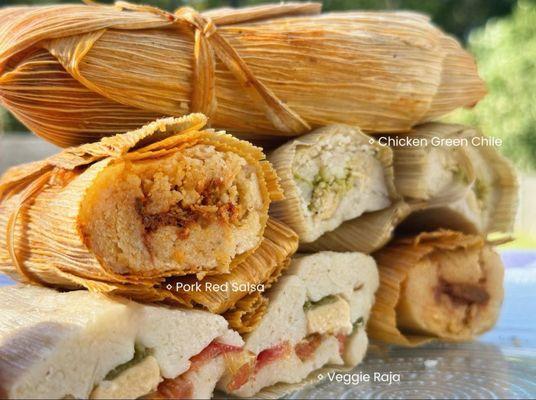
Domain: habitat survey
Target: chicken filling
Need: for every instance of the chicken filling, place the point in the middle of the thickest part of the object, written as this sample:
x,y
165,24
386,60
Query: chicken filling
x,y
444,170
339,180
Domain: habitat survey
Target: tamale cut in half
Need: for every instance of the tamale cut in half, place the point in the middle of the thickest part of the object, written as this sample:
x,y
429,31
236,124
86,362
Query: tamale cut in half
x,y
121,215
315,321
456,179
82,345
442,284
121,66
334,179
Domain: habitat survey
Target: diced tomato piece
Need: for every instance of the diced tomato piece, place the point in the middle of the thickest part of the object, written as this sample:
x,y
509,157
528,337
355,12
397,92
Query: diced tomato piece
x,y
342,342
248,368
308,346
181,387
212,351
177,388
272,354
241,377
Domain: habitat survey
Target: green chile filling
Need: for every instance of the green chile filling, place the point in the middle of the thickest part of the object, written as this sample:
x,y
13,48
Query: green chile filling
x,y
309,305
359,323
460,175
140,353
480,189
324,183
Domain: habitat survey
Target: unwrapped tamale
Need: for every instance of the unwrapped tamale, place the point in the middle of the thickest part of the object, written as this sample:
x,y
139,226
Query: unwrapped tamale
x,y
73,73
441,284
166,200
316,318
81,345
459,177
333,176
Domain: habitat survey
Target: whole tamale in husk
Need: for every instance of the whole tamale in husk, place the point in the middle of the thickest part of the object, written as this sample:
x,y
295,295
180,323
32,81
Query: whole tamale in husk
x,y
460,178
339,191
442,284
119,66
166,200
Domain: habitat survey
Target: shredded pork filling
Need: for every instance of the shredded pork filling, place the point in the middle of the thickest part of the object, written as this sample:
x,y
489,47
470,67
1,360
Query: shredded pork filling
x,y
191,211
339,180
450,293
464,293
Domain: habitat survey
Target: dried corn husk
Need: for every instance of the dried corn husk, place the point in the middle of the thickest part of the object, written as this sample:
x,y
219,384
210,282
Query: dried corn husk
x,y
467,186
365,234
120,65
413,304
40,205
247,312
332,176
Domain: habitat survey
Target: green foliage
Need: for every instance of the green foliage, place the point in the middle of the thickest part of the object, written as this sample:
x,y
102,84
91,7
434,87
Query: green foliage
x,y
457,17
8,123
506,54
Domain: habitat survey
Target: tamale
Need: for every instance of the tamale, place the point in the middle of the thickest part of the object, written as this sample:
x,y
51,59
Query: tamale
x,y
460,178
74,73
329,176
442,284
316,318
166,200
82,345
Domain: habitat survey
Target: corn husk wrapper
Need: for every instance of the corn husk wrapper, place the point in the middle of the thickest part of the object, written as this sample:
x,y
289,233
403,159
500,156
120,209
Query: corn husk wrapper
x,y
365,234
41,201
74,73
479,191
353,234
391,314
247,313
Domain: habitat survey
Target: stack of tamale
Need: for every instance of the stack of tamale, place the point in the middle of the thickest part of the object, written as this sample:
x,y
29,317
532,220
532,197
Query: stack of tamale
x,y
201,152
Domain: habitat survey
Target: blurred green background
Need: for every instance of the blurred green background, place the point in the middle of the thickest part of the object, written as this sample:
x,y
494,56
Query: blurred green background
x,y
502,36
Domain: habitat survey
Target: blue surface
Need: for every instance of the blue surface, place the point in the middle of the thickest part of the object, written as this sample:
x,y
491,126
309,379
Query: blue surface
x,y
518,258
4,280
516,327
